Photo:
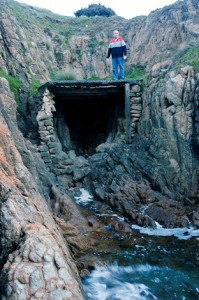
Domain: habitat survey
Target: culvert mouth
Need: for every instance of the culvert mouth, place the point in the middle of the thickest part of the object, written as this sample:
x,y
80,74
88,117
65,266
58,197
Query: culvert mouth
x,y
89,113
83,123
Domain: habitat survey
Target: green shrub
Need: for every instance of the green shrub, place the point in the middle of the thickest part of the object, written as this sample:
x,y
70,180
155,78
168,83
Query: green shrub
x,y
33,89
93,78
190,57
95,10
64,75
58,40
93,43
14,83
135,73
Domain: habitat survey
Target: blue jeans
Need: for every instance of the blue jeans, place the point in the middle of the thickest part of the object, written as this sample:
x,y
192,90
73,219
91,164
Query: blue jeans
x,y
118,62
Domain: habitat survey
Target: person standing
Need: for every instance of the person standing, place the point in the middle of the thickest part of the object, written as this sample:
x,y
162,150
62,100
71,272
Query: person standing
x,y
117,50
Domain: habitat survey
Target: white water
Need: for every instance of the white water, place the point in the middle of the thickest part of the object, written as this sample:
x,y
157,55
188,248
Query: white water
x,y
84,198
108,283
184,233
139,282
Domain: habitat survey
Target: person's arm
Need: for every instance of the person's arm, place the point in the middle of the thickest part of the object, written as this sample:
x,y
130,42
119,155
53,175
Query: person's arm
x,y
109,53
124,50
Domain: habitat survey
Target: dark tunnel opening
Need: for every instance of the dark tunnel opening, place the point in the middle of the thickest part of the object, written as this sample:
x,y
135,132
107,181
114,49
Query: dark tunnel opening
x,y
84,122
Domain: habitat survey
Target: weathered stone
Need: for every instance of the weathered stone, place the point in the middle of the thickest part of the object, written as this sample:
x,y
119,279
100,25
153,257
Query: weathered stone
x,y
133,125
36,281
60,294
49,271
67,161
114,187
45,154
51,285
136,88
42,128
46,159
72,154
52,139
43,133
78,174
53,150
135,119
20,290
136,107
49,122
80,162
52,145
55,160
63,273
100,193
43,148
61,171
49,128
35,255
59,260
8,291
135,113
24,273
46,139
69,169
42,117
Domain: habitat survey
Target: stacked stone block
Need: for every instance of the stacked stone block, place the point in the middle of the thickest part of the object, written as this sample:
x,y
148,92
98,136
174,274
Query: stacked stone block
x,y
136,106
46,131
59,162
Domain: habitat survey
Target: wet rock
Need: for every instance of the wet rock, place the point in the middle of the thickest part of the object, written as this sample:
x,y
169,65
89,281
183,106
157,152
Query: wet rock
x,y
93,222
100,193
79,174
120,227
195,218
84,273
169,216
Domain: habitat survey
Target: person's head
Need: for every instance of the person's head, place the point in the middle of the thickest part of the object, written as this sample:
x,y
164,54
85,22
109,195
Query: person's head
x,y
115,33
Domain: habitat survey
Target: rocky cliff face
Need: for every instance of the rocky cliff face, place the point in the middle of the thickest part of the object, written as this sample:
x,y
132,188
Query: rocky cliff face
x,y
155,178
164,34
35,260
35,43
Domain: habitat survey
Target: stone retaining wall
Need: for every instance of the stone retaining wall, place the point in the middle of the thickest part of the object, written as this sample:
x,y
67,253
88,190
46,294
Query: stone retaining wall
x,y
59,162
136,106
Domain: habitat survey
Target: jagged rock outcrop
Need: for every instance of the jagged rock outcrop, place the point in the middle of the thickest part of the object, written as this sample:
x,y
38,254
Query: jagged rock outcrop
x,y
164,34
156,178
168,119
35,260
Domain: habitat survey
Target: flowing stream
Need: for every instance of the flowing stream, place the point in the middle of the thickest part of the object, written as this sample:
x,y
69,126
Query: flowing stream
x,y
153,264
